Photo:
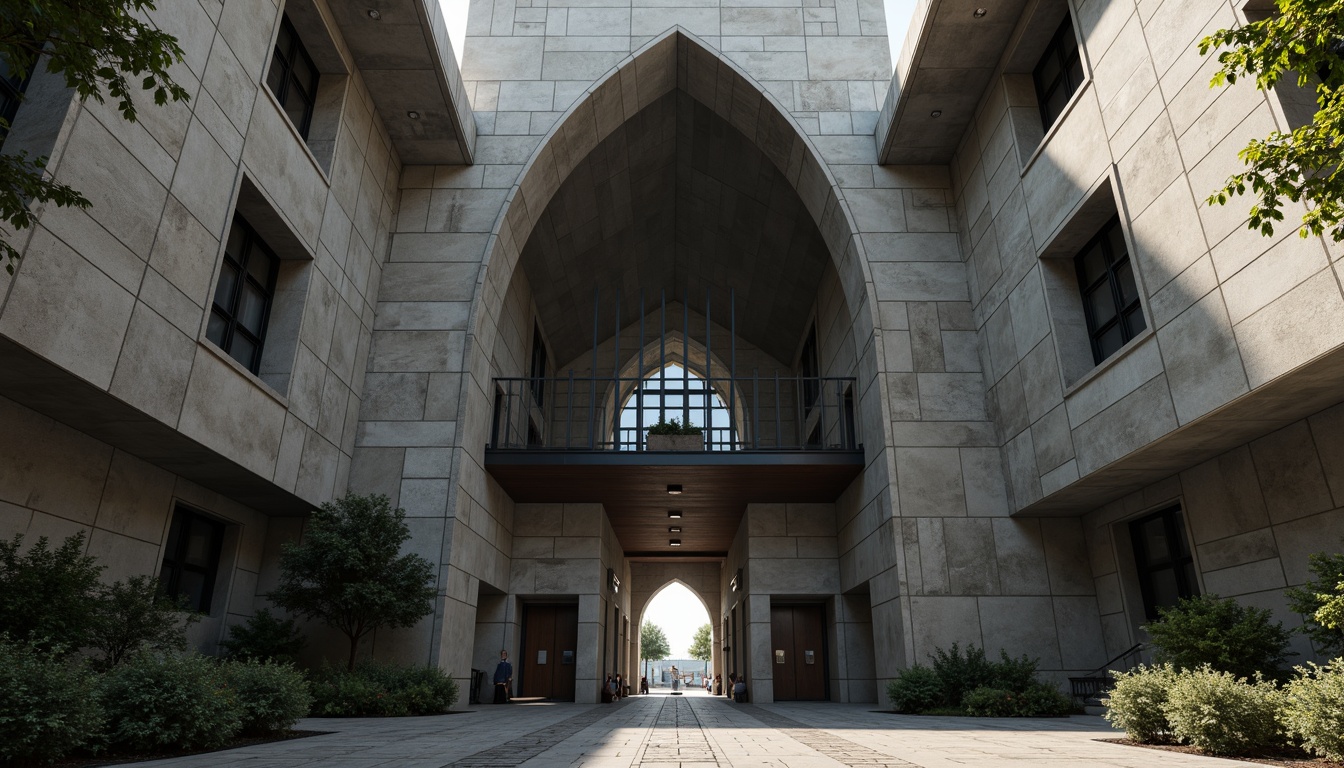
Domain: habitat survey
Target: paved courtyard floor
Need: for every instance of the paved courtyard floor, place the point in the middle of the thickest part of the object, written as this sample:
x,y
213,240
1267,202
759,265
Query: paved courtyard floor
x,y
695,731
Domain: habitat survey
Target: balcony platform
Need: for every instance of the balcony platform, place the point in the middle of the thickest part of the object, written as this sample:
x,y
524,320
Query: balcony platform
x,y
632,488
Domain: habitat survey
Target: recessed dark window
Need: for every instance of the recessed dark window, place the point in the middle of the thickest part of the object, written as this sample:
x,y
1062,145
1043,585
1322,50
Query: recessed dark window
x,y
191,558
538,371
243,296
1110,293
11,96
811,368
1162,557
1058,73
293,78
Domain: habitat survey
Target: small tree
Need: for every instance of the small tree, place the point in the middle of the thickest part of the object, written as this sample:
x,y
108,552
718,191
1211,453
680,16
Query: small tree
x,y
702,645
48,595
348,571
1224,634
96,45
1321,603
137,614
653,645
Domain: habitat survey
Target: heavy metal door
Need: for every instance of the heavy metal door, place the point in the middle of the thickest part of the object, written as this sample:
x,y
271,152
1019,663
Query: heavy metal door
x,y
798,660
550,642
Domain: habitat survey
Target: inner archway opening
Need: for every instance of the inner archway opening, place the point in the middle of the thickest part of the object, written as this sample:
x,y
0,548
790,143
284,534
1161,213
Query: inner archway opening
x,y
675,396
676,641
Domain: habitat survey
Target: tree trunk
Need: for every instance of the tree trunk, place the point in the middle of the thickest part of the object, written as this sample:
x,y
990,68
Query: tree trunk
x,y
354,646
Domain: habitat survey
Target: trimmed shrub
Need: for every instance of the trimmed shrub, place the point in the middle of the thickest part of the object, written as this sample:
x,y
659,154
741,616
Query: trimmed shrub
x,y
1313,709
45,708
1038,699
1219,713
1319,601
272,697
48,595
265,637
960,673
1138,702
382,690
1227,636
1042,699
989,702
136,615
163,701
918,689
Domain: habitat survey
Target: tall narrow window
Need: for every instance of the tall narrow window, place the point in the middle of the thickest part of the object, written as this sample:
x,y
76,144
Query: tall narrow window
x,y
1162,556
1110,293
191,558
810,367
538,371
11,95
1058,73
293,78
243,295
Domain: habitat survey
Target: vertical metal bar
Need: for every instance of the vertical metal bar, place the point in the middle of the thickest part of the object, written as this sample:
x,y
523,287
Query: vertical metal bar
x,y
777,432
662,358
755,408
685,358
569,407
800,416
732,363
709,373
840,408
821,420
592,376
508,412
639,385
616,382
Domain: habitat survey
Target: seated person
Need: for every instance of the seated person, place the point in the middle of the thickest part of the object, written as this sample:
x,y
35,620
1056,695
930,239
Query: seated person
x,y
740,690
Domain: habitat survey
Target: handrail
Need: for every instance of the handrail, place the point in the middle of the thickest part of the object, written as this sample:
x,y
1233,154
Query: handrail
x,y
614,413
1104,669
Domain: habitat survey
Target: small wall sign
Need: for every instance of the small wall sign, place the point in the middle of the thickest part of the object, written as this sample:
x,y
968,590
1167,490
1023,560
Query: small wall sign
x,y
541,657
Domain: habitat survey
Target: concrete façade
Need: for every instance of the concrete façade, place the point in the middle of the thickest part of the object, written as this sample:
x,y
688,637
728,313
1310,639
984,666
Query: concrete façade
x,y
746,178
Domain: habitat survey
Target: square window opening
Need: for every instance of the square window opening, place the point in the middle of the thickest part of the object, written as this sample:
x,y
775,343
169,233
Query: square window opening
x,y
1163,561
257,306
307,76
191,554
1297,104
1045,68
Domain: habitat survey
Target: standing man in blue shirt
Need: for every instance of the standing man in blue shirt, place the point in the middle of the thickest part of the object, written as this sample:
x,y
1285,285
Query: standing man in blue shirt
x,y
503,678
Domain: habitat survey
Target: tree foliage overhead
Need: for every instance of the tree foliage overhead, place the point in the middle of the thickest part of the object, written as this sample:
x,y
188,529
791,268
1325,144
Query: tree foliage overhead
x,y
653,643
1300,44
702,645
348,571
101,48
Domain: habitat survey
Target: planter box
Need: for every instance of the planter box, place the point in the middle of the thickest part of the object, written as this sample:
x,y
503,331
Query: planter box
x,y
675,443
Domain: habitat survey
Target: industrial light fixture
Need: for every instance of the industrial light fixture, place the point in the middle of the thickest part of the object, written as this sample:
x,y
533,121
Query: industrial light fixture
x,y
674,490
674,542
675,514
413,115
375,14
980,13
674,529
936,113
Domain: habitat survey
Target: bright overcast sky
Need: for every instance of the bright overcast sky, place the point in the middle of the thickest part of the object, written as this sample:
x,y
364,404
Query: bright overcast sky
x,y
898,18
679,612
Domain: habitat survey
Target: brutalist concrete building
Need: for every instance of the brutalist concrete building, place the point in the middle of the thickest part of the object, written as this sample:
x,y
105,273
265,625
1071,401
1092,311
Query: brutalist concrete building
x,y
970,357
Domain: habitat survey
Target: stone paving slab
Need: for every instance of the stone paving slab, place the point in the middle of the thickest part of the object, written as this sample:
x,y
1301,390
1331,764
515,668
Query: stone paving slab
x,y
695,731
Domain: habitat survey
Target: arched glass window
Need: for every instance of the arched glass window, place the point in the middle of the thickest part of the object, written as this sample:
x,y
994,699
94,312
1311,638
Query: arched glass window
x,y
674,393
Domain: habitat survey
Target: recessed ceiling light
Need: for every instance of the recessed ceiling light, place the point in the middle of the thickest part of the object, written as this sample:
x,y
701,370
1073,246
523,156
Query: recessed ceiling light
x,y
375,14
675,514
413,115
936,113
674,529
675,490
980,13
674,543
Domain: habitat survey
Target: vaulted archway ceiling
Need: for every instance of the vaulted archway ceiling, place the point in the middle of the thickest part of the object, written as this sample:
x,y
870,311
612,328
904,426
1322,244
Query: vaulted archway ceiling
x,y
675,200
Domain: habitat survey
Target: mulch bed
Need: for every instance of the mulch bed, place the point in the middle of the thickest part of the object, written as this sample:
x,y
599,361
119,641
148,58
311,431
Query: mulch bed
x,y
120,758
1288,757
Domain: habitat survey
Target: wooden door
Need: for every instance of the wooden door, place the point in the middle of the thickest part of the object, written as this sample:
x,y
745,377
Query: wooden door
x,y
550,645
798,652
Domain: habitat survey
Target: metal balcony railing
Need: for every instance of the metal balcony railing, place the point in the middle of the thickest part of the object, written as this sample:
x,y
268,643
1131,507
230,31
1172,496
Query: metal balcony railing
x,y
757,413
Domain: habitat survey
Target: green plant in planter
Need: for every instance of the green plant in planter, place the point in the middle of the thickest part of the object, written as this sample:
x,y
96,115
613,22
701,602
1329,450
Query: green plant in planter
x,y
674,427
